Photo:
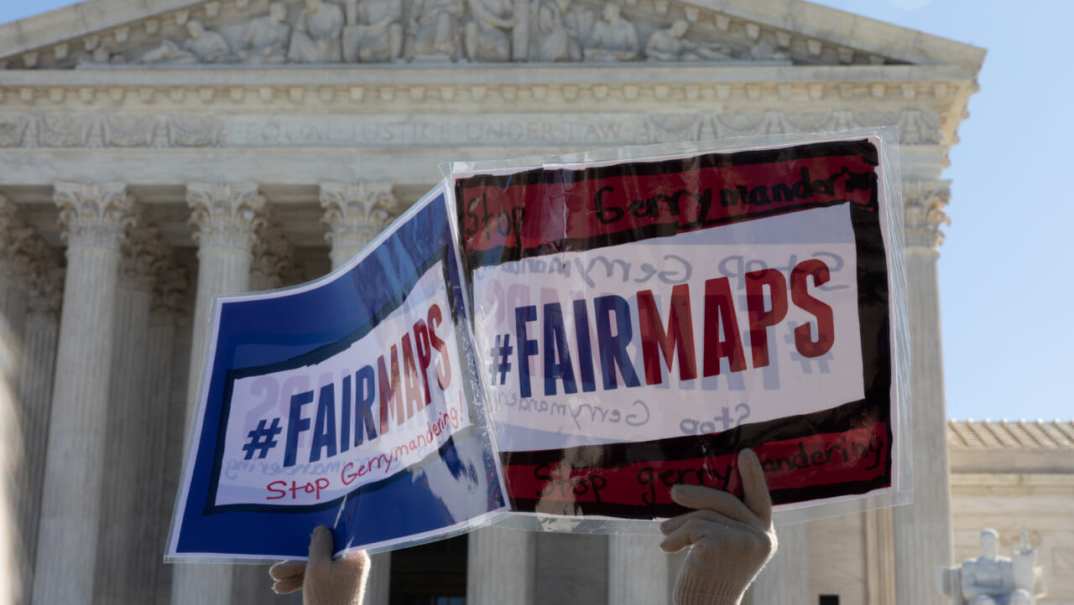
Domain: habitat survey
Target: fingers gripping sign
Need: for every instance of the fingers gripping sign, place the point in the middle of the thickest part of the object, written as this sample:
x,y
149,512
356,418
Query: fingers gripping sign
x,y
323,581
730,540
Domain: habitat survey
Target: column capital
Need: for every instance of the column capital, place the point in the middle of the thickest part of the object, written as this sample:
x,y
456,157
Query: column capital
x,y
93,214
170,288
273,258
143,255
44,277
10,223
224,214
19,243
46,290
924,203
362,208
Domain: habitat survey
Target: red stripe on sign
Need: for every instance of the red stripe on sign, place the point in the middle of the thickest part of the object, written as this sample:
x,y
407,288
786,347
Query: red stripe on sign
x,y
815,461
527,215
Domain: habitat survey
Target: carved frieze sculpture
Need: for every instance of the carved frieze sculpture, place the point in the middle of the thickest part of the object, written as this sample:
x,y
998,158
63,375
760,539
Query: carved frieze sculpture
x,y
376,31
317,36
613,38
671,45
203,46
434,29
550,39
488,31
266,38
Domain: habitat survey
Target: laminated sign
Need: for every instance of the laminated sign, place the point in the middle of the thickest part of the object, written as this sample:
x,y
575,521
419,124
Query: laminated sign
x,y
639,322
351,402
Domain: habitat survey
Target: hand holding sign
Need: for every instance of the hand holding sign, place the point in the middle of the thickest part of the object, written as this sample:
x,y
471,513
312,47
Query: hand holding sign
x,y
731,540
322,580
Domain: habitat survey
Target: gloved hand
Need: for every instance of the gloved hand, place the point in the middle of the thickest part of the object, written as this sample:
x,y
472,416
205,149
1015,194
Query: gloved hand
x,y
322,580
730,540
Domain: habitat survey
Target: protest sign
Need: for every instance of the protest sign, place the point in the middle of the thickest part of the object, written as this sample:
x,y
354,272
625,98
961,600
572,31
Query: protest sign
x,y
351,402
640,321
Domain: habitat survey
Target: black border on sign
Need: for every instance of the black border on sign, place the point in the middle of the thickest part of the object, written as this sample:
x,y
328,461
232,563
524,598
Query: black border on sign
x,y
873,318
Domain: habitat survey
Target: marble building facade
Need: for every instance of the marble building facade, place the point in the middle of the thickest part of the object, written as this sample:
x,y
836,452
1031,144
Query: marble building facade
x,y
157,154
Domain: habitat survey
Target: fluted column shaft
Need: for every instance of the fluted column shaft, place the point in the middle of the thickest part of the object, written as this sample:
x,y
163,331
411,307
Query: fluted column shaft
x,y
176,360
126,560
155,507
35,400
354,214
225,218
880,556
94,219
271,266
152,519
500,567
638,571
120,551
923,529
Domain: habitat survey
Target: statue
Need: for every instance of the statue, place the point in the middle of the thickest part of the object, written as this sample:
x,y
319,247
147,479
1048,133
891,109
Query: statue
x,y
671,45
994,580
613,38
486,39
434,29
550,39
203,46
317,36
579,22
374,32
265,39
764,51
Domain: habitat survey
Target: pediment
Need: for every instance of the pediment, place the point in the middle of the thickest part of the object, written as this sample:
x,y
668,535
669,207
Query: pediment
x,y
215,33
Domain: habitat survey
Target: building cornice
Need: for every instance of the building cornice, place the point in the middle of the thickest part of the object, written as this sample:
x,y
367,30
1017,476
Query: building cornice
x,y
84,26
516,89
519,74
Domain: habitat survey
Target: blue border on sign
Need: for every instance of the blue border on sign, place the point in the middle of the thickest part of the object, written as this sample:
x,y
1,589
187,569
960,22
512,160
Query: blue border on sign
x,y
282,327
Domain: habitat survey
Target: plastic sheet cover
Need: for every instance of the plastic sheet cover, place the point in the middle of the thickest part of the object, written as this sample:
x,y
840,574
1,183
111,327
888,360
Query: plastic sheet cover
x,y
644,314
351,402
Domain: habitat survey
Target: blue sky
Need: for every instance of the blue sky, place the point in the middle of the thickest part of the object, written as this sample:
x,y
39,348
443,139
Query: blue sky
x,y
1007,297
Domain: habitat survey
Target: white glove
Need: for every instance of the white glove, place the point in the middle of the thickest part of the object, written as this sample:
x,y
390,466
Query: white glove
x,y
322,580
730,541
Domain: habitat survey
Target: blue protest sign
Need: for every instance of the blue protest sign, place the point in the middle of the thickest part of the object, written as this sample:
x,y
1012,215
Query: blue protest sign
x,y
351,402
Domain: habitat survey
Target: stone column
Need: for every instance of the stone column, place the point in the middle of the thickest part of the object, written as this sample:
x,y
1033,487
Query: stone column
x,y
224,219
879,556
923,529
36,375
500,567
127,559
785,580
273,264
94,218
172,321
639,572
15,240
570,568
272,267
355,213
